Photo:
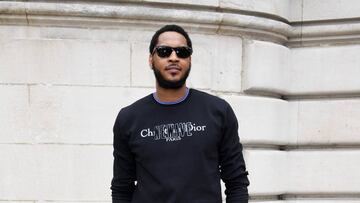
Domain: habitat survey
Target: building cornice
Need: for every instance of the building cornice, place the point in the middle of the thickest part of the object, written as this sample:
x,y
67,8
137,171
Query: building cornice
x,y
253,25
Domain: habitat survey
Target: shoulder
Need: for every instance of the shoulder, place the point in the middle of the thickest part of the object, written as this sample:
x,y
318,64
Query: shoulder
x,y
214,105
209,100
135,108
141,103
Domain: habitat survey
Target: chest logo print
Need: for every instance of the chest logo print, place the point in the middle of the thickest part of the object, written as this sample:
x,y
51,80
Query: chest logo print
x,y
172,131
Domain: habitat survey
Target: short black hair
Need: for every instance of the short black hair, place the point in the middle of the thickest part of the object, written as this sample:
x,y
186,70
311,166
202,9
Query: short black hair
x,y
168,28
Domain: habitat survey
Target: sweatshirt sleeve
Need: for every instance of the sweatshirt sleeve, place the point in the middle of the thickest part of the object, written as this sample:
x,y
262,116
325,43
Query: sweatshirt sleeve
x,y
232,165
124,172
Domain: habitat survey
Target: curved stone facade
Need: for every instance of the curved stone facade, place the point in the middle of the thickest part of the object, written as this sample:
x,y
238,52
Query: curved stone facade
x,y
289,68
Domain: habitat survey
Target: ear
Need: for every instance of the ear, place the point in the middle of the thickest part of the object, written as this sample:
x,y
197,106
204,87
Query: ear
x,y
150,61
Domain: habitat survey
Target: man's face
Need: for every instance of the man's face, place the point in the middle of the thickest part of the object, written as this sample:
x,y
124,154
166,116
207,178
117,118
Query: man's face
x,y
170,72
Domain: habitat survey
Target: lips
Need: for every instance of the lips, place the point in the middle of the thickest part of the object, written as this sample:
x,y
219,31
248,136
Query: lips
x,y
173,68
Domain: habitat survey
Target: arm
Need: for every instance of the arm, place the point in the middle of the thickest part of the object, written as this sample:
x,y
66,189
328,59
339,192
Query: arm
x,y
232,165
124,174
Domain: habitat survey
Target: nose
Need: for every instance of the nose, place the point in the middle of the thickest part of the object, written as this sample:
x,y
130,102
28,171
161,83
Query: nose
x,y
173,57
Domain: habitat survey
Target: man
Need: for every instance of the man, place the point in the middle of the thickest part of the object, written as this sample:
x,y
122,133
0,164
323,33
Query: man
x,y
177,142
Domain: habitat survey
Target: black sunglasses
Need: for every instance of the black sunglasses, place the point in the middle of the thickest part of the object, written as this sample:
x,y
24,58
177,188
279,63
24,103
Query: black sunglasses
x,y
165,51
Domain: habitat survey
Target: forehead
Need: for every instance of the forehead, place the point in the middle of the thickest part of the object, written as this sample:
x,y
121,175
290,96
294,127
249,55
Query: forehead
x,y
172,39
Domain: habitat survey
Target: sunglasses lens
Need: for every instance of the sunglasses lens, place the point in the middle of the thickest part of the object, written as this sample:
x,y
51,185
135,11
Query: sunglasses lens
x,y
181,52
163,51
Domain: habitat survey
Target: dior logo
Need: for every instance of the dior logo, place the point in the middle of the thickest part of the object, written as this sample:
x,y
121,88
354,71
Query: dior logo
x,y
147,133
172,131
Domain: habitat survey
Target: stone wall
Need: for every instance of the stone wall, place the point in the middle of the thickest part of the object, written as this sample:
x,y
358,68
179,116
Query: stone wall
x,y
289,68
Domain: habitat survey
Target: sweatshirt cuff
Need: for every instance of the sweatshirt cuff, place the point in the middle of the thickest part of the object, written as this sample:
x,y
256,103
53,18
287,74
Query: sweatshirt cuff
x,y
120,201
238,200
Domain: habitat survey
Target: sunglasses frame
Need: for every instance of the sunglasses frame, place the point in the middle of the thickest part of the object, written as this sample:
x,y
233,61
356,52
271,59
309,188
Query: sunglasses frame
x,y
176,49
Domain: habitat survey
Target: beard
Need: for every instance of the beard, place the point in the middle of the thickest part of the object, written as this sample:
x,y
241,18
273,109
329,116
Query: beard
x,y
167,84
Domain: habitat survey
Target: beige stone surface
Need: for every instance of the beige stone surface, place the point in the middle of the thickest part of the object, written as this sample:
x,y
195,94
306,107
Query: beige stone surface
x,y
272,68
11,201
15,114
71,201
185,2
261,120
274,7
82,201
328,122
323,171
295,10
19,172
125,33
330,9
320,70
309,172
202,61
86,171
226,70
266,67
81,115
112,16
313,200
56,172
65,61
141,73
266,171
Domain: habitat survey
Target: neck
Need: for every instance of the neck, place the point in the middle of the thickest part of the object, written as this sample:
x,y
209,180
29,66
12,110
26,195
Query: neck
x,y
170,95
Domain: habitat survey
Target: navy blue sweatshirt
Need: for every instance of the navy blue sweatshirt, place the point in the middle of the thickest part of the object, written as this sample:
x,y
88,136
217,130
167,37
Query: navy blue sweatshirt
x,y
178,153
